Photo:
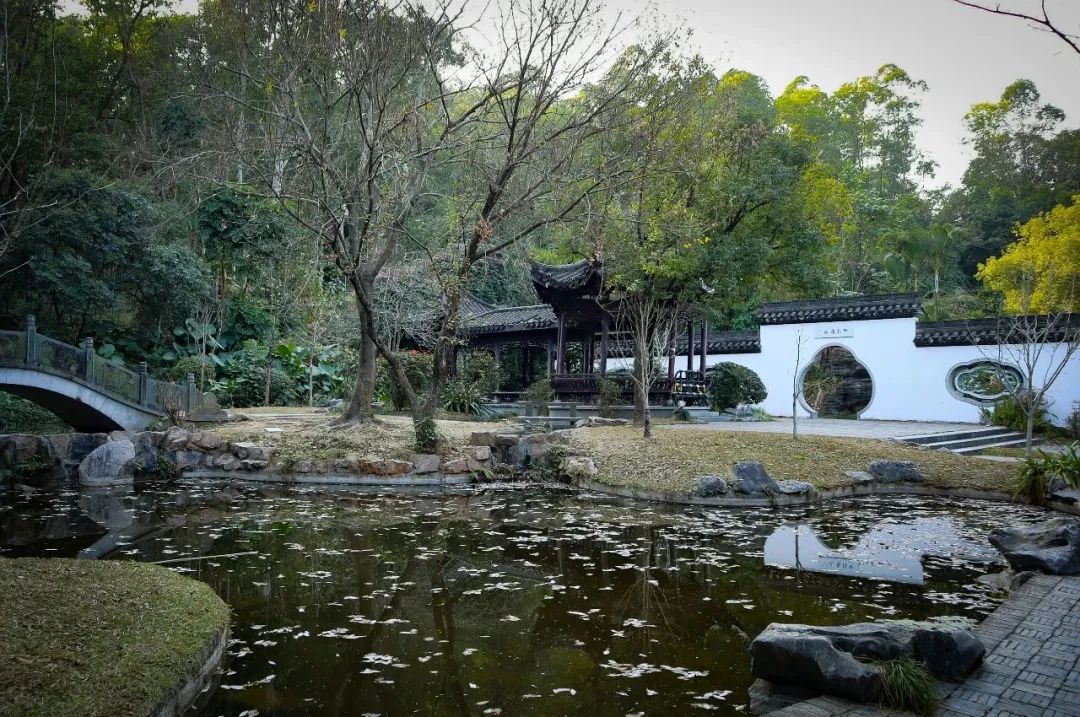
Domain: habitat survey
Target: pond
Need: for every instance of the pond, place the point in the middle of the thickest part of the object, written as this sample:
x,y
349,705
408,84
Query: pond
x,y
516,602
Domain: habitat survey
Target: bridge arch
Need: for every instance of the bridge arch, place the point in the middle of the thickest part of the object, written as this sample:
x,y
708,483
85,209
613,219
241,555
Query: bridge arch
x,y
78,405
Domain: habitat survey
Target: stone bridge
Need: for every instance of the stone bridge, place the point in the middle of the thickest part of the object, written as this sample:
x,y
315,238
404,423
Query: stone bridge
x,y
90,393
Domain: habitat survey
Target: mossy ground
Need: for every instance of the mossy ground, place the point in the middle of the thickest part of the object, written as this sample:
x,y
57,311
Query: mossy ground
x,y
674,460
87,638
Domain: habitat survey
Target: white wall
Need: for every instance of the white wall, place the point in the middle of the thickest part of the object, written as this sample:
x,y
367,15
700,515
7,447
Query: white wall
x,y
910,383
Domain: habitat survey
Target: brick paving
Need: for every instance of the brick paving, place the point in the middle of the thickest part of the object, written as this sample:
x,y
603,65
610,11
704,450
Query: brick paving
x,y
1032,665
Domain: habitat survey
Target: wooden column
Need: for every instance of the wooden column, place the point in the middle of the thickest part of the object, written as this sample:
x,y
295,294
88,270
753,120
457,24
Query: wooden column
x,y
525,356
671,357
560,349
603,347
689,345
550,358
587,353
704,345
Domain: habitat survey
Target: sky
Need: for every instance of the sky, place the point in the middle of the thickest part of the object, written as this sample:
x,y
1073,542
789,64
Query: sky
x,y
964,55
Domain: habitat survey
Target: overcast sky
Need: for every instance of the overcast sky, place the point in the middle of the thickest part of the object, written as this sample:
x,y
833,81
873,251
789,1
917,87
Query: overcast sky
x,y
965,56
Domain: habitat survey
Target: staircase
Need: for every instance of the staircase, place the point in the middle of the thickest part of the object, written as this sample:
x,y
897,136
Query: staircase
x,y
967,441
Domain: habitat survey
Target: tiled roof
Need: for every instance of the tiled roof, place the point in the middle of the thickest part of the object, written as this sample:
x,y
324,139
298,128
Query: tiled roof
x,y
987,332
472,306
853,308
565,277
510,318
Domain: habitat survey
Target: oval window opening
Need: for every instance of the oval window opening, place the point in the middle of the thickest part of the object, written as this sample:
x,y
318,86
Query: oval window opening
x,y
836,385
985,381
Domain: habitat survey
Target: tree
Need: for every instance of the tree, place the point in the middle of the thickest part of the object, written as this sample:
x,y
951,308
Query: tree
x,y
1040,272
1040,21
1038,333
649,321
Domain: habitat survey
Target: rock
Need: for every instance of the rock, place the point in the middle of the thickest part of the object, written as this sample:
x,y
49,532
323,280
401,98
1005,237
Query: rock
x,y
895,471
176,439
252,451
83,444
424,463
505,440
752,479
766,697
205,440
593,421
304,466
394,467
333,403
482,438
860,476
1068,497
109,464
225,461
253,465
579,467
146,454
1052,546
710,486
456,465
794,487
18,449
1020,578
480,453
371,465
826,659
120,436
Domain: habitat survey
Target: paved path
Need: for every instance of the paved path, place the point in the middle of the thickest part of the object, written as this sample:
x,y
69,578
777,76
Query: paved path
x,y
1032,666
832,427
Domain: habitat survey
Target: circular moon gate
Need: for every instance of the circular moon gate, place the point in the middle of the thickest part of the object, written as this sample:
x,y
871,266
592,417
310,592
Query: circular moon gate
x,y
836,385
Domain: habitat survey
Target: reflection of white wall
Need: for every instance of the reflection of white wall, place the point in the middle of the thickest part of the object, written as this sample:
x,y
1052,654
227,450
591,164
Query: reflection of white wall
x,y
910,383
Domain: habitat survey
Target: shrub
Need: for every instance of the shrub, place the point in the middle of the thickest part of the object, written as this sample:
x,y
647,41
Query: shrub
x,y
200,366
539,390
1030,482
17,415
1066,465
418,369
608,396
243,381
481,370
460,396
732,384
1072,425
1008,413
908,685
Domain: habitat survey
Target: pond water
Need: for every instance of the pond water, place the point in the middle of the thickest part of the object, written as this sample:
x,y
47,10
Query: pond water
x,y
515,602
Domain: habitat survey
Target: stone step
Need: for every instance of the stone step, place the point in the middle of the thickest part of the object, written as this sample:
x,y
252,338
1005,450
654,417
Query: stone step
x,y
1010,443
977,442
958,435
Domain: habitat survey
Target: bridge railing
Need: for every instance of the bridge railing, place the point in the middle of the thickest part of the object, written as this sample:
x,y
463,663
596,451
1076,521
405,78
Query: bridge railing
x,y
29,349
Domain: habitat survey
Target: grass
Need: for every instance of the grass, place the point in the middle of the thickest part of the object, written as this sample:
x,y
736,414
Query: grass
x,y
89,638
312,436
908,685
674,460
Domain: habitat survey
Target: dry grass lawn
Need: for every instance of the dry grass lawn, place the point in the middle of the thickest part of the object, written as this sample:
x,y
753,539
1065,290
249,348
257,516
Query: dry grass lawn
x,y
312,436
674,460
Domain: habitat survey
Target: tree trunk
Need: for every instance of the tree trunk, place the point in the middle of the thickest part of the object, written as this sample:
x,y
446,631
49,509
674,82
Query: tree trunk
x,y
647,431
1029,434
641,399
359,408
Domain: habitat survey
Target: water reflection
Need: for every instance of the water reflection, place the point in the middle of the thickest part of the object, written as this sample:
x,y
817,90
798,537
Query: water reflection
x,y
350,603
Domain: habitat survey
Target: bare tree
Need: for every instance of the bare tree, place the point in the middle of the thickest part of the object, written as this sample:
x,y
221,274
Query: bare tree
x,y
1040,20
649,322
796,384
1040,347
370,101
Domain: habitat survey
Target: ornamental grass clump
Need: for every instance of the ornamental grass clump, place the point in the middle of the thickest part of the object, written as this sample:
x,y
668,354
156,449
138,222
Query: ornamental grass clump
x,y
908,685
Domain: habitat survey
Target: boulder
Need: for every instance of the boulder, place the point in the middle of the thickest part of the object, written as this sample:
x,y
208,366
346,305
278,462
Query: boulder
x,y
176,439
710,487
251,451
83,444
109,464
794,487
860,477
479,452
593,421
1052,546
766,697
18,449
505,440
579,467
751,479
424,463
146,454
895,471
834,660
186,460
249,464
205,441
456,465
482,438
1068,497
225,462
394,467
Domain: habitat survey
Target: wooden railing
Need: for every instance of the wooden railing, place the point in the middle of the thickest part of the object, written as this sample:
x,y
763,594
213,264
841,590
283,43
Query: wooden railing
x,y
662,389
30,350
